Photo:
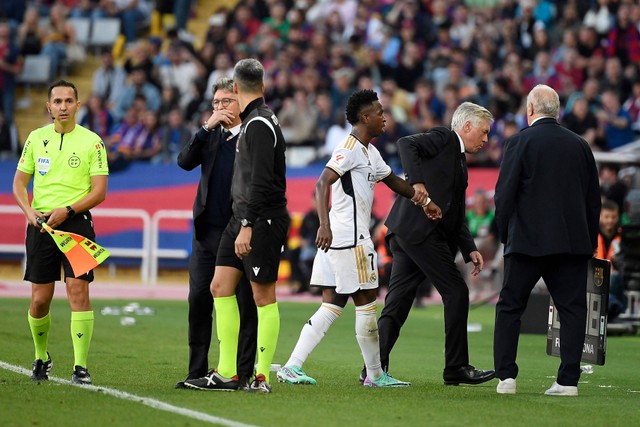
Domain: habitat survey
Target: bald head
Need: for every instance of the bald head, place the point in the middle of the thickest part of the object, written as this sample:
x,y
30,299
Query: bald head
x,y
542,101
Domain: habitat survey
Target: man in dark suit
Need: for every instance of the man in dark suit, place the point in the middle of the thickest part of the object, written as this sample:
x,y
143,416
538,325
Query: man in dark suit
x,y
213,147
547,210
426,246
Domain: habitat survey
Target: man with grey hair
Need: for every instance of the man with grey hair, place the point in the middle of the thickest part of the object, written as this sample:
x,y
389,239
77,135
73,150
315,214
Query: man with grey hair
x,y
252,242
426,246
547,211
213,148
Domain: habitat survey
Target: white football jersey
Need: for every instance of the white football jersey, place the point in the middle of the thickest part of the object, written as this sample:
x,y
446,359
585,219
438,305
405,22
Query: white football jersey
x,y
359,168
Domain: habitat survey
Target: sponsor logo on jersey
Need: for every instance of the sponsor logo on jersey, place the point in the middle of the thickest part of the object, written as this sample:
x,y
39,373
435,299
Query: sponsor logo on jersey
x,y
100,159
256,270
339,158
45,142
43,164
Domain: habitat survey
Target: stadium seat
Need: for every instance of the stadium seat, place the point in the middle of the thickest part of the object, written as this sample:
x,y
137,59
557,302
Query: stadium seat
x,y
104,33
35,71
82,26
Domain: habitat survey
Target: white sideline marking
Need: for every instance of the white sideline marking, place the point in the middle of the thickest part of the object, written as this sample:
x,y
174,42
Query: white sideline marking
x,y
156,404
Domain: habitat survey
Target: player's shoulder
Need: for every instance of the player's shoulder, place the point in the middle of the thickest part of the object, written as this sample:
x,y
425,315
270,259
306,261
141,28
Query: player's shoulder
x,y
373,150
349,144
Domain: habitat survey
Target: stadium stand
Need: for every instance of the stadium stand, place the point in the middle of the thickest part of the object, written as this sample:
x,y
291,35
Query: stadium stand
x,y
423,57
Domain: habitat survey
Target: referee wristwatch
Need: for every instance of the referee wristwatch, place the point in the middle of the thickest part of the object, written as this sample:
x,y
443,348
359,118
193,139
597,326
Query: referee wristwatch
x,y
70,212
246,223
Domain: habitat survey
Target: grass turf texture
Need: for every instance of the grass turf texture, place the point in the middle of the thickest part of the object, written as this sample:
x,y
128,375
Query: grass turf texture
x,y
148,358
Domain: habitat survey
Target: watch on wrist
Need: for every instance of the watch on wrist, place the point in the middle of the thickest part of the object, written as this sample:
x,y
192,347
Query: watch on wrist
x,y
205,126
246,223
70,212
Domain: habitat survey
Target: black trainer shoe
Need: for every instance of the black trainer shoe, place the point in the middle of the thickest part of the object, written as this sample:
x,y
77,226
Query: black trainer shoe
x,y
80,375
259,385
40,370
213,381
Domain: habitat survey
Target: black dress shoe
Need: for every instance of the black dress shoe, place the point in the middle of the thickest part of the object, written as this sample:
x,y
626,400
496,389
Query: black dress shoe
x,y
180,384
467,375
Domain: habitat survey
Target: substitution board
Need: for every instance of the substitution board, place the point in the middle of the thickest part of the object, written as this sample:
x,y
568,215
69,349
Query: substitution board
x,y
595,340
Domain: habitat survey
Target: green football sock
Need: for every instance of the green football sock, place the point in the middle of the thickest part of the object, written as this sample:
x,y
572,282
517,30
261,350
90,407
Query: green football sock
x,y
228,328
40,333
268,331
81,333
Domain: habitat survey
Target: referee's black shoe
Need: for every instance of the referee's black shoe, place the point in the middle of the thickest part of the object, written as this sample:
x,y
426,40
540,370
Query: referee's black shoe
x,y
213,381
41,369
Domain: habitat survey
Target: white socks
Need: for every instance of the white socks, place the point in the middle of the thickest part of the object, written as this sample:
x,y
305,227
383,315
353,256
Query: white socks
x,y
313,331
367,336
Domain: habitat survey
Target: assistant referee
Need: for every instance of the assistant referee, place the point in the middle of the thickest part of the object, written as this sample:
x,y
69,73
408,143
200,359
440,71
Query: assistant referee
x,y
68,164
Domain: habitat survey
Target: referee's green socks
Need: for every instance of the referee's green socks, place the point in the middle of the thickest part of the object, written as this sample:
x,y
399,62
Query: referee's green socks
x,y
40,333
81,333
228,328
268,331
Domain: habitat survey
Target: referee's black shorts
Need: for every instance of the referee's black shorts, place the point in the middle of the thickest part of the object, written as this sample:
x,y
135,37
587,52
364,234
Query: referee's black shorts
x,y
43,256
267,244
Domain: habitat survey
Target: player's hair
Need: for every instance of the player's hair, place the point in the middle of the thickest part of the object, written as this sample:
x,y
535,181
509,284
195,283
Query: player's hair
x,y
357,102
248,74
223,83
62,83
470,112
545,101
610,205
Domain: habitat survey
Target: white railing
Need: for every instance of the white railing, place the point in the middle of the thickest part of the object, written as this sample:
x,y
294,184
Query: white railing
x,y
144,253
13,248
149,252
156,251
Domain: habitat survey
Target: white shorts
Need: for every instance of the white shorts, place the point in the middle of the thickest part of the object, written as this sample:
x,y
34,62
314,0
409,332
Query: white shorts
x,y
348,270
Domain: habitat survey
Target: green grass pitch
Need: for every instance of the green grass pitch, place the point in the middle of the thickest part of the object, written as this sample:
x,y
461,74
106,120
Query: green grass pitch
x,y
147,359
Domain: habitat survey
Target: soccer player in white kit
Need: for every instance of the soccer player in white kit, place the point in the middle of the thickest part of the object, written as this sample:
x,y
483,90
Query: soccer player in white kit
x,y
346,265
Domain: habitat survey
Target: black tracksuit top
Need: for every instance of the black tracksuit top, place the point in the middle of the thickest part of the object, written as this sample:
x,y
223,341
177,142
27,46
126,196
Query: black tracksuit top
x,y
259,174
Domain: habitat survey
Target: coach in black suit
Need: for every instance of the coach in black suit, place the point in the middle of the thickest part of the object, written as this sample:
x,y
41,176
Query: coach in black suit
x,y
547,210
426,246
213,147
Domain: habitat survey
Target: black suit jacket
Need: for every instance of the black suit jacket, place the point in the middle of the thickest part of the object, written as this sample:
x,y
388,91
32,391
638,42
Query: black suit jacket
x,y
548,196
201,151
432,158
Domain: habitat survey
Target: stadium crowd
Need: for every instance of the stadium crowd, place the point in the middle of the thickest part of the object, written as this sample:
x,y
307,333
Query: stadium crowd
x,y
422,57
